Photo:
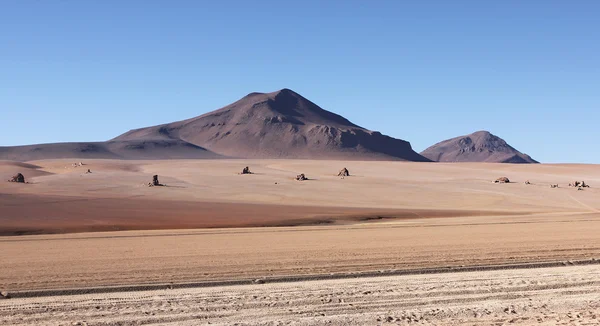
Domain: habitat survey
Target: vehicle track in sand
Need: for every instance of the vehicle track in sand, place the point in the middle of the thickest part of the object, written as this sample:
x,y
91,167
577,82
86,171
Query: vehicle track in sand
x,y
592,209
543,296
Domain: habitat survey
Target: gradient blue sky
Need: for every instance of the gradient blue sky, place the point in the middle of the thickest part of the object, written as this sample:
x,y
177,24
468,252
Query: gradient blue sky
x,y
423,71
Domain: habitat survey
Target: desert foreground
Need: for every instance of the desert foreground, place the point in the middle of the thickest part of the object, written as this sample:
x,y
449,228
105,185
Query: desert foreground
x,y
428,242
546,296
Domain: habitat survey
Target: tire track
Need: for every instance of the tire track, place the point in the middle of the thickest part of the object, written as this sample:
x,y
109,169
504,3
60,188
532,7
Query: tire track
x,y
547,296
296,278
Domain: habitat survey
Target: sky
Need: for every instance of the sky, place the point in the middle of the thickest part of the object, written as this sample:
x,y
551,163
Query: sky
x,y
422,71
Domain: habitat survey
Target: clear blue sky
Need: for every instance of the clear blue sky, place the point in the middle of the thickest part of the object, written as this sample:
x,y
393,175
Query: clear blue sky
x,y
423,71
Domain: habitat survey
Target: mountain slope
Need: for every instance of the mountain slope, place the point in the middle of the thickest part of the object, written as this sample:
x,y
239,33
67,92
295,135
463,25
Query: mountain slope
x,y
480,146
135,149
281,124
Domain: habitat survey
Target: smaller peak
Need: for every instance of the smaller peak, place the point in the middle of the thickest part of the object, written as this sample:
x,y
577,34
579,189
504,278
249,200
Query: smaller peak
x,y
254,94
285,91
484,135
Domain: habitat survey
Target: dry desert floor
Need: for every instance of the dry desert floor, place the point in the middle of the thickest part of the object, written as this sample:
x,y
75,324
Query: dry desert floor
x,y
547,296
328,250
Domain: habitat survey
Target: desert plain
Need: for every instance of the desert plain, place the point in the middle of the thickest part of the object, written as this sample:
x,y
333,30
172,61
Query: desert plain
x,y
395,242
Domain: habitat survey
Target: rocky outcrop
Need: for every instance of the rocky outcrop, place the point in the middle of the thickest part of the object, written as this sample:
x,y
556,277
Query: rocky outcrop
x,y
344,173
301,177
19,178
155,182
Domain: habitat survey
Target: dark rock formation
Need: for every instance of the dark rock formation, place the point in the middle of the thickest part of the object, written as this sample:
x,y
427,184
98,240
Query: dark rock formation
x,y
18,178
301,177
344,173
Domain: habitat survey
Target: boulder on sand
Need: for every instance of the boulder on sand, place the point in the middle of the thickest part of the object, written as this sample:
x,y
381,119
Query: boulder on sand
x,y
502,180
17,178
301,177
579,184
246,170
154,182
344,173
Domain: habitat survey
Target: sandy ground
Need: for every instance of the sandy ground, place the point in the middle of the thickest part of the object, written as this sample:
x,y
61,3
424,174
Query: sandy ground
x,y
134,257
386,217
210,193
550,296
464,186
373,220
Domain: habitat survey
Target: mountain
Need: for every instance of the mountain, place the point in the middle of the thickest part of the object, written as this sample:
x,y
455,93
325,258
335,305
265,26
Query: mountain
x,y
480,146
281,124
135,149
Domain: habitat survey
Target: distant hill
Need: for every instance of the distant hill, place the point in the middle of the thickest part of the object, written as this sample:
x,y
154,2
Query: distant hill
x,y
281,124
136,149
480,146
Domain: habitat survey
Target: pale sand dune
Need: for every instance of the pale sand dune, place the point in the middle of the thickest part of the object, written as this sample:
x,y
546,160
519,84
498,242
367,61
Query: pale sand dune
x,y
553,296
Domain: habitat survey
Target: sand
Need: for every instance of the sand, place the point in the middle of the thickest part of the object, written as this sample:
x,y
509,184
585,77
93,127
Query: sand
x,y
207,225
551,296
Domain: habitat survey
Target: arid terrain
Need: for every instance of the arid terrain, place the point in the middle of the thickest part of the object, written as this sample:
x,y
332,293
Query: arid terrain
x,y
548,296
210,234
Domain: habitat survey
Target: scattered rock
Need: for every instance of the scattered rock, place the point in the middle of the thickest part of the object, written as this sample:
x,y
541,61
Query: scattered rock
x,y
554,186
579,184
502,180
17,178
527,182
301,177
88,171
4,295
155,182
344,173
